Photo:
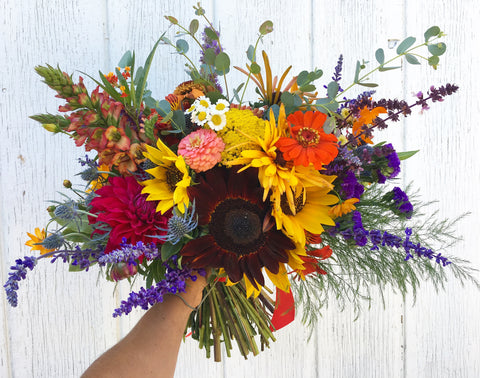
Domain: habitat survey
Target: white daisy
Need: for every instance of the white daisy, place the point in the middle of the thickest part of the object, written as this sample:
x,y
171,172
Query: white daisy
x,y
217,121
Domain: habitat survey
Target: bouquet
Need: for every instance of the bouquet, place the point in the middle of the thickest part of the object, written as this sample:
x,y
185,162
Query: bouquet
x,y
282,200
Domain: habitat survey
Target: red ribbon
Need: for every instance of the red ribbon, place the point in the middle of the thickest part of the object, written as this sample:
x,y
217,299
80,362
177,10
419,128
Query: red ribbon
x,y
284,312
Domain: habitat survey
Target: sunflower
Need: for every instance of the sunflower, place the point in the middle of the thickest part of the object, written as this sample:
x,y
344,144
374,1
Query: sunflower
x,y
308,144
312,206
35,241
171,179
240,238
273,172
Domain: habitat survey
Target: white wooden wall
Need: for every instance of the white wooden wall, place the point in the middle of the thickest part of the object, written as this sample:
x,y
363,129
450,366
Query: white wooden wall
x,y
64,321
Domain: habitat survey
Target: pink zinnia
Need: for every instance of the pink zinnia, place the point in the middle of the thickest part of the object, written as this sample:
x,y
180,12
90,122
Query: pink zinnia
x,y
201,149
123,208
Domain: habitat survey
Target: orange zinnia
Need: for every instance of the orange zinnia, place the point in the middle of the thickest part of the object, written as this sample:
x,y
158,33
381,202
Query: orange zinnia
x,y
308,142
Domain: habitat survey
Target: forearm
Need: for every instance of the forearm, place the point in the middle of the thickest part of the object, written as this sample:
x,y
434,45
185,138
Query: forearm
x,y
151,347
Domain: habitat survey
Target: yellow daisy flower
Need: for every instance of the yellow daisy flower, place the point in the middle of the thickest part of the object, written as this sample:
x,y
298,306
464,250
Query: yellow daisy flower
x,y
343,208
35,240
171,179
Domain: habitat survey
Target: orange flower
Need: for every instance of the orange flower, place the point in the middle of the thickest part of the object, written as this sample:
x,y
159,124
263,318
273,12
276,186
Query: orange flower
x,y
366,118
308,142
311,261
343,208
35,240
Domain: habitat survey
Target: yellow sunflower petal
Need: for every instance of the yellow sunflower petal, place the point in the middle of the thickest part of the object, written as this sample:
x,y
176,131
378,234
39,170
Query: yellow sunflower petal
x,y
280,279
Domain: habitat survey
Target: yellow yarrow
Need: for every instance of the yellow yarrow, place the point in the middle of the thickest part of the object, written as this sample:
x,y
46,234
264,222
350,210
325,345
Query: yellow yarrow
x,y
239,124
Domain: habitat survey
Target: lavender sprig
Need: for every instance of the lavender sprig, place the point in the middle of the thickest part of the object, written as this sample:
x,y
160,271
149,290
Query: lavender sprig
x,y
173,283
128,253
377,237
78,257
18,273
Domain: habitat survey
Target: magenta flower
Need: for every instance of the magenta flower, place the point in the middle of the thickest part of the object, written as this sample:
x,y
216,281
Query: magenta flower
x,y
121,206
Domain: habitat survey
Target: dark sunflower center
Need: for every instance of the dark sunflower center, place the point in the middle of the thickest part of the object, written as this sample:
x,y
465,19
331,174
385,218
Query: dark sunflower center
x,y
236,226
308,137
298,203
279,159
173,176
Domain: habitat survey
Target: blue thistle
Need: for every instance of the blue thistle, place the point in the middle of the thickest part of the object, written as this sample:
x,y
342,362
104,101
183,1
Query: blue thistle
x,y
180,225
66,211
54,241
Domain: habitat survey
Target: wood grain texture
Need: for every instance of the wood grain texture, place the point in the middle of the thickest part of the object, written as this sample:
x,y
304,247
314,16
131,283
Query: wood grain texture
x,y
64,321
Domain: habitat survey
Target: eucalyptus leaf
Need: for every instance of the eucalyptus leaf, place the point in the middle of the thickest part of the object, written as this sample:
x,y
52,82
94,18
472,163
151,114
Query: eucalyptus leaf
x,y
297,100
251,53
433,60
178,120
193,28
329,125
211,34
316,74
210,56
412,59
287,99
437,49
172,19
332,89
383,68
266,27
255,68
307,88
222,62
327,105
275,109
303,78
369,85
167,118
380,56
182,46
163,108
405,45
433,31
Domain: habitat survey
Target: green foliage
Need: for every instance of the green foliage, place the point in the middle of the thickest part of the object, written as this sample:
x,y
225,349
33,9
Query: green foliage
x,y
407,154
290,101
352,277
266,27
182,46
150,126
405,45
222,63
169,249
193,28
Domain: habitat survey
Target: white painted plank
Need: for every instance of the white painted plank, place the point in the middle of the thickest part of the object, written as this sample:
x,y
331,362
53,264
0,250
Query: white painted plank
x,y
46,333
442,331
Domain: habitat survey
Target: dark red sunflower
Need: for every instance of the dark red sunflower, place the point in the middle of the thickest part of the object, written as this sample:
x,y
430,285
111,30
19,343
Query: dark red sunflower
x,y
238,240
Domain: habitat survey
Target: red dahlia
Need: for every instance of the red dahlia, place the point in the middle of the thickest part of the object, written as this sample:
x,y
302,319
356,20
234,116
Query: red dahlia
x,y
121,206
